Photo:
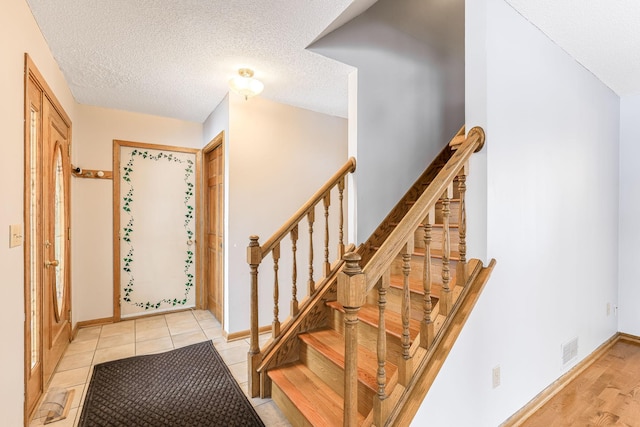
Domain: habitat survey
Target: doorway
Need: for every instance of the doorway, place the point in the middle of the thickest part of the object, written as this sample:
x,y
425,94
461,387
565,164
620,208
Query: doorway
x,y
47,234
214,225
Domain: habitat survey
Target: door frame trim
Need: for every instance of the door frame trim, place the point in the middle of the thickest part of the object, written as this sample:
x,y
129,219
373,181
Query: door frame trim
x,y
217,141
117,144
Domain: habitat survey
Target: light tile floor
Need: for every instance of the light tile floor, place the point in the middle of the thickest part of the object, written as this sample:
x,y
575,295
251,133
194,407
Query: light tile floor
x,y
150,335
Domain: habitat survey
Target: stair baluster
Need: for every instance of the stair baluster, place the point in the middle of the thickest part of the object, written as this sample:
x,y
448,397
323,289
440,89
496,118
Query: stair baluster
x,y
446,297
311,284
294,274
326,201
406,302
461,267
351,294
426,327
275,326
341,225
380,402
382,340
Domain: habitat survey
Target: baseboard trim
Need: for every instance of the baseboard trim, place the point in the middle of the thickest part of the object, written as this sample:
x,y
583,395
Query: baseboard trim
x,y
92,322
235,336
545,395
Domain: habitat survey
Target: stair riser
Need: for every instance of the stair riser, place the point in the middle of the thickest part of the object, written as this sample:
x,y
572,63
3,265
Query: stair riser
x,y
394,303
436,238
454,209
333,375
368,337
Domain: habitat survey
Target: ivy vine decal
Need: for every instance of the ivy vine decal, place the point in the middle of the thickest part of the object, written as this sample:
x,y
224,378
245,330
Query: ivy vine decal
x,y
128,229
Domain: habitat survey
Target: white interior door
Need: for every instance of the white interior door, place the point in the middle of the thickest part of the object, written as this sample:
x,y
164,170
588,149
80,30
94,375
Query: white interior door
x,y
156,216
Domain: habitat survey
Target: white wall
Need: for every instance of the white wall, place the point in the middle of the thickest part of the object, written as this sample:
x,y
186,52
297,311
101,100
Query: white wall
x,y
92,200
19,34
629,223
218,121
278,156
552,198
405,112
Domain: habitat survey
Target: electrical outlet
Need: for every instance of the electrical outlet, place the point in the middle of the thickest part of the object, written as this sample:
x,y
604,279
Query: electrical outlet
x,y
15,235
496,376
608,308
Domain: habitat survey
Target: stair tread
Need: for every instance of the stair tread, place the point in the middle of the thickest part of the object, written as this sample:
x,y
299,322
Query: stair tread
x,y
416,286
437,253
318,403
435,225
331,344
393,321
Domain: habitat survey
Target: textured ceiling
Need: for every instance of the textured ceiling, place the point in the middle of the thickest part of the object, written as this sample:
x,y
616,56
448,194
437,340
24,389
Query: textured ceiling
x,y
602,35
174,58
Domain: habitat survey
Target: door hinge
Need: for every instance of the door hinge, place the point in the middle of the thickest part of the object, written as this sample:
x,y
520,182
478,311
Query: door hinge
x,y
69,233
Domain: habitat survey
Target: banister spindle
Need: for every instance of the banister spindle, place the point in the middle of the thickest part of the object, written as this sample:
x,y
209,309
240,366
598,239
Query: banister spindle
x,y
426,327
445,295
461,267
254,257
311,284
406,302
341,226
275,326
351,294
294,274
382,340
326,201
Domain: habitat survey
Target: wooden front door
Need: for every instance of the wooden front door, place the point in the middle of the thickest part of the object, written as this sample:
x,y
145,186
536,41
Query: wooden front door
x,y
214,228
56,303
47,285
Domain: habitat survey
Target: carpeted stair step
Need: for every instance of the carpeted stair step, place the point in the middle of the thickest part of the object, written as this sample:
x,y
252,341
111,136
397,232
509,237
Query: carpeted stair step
x,y
322,351
305,398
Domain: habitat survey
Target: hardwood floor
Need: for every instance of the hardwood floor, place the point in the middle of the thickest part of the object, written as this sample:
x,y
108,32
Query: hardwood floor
x,y
607,393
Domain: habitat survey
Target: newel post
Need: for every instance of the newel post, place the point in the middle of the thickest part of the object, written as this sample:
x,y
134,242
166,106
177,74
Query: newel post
x,y
351,294
254,257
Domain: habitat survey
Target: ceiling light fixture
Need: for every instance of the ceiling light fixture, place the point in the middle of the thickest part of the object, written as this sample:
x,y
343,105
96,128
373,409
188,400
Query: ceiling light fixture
x,y
244,84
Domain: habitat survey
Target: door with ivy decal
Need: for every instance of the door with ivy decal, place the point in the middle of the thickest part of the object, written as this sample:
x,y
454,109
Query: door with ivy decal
x,y
155,213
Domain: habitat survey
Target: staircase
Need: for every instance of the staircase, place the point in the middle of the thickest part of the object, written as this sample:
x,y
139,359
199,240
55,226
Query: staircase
x,y
361,349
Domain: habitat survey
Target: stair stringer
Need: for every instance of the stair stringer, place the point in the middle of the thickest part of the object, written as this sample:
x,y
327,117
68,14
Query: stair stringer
x,y
429,365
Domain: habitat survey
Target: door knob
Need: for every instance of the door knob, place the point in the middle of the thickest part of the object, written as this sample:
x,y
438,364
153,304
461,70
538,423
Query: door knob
x,y
53,263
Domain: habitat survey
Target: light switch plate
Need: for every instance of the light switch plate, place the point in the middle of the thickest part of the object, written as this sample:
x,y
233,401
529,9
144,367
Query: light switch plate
x,y
15,235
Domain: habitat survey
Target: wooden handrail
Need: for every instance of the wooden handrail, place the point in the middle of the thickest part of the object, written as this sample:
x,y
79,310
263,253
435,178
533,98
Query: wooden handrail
x,y
383,257
348,167
257,253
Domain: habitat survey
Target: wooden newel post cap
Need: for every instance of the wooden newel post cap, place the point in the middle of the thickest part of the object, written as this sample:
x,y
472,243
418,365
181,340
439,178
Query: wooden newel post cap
x,y
254,254
351,284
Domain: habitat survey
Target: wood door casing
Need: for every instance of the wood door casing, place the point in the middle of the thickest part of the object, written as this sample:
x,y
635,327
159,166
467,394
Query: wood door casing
x,y
214,225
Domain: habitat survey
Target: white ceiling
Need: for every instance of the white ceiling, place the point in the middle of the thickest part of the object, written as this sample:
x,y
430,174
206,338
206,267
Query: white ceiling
x,y
174,58
602,35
